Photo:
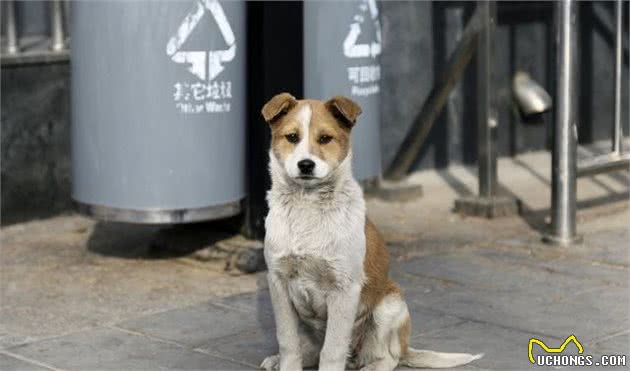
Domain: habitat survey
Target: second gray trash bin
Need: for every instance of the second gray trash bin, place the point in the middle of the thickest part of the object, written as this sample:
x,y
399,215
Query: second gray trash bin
x,y
342,45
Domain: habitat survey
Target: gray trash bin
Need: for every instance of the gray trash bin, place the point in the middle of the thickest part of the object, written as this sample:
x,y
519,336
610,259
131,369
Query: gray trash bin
x,y
158,109
342,45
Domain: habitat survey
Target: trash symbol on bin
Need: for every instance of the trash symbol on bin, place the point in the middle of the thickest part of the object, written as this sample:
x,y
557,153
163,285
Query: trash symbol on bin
x,y
350,47
199,59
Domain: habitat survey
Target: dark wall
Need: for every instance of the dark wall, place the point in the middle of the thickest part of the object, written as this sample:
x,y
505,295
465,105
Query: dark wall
x,y
35,141
417,39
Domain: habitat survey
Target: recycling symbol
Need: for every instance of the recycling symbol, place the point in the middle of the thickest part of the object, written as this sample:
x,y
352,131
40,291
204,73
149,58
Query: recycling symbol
x,y
350,47
205,64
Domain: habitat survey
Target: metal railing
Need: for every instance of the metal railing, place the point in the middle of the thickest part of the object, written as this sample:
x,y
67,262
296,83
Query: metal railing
x,y
616,159
11,33
58,35
47,48
565,167
564,152
478,38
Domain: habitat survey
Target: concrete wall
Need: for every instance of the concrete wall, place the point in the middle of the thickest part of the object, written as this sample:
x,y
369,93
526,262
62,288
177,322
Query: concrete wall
x,y
418,36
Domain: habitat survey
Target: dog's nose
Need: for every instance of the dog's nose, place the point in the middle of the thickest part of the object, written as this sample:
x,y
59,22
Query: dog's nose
x,y
306,167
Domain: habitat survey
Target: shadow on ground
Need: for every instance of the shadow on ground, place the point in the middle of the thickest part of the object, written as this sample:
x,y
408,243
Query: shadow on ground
x,y
537,219
138,241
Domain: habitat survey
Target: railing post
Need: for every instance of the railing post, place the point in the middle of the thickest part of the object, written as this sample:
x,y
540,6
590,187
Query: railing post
x,y
487,117
488,203
12,46
617,136
58,36
564,153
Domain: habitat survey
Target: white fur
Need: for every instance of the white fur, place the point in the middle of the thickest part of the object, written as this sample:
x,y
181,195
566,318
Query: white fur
x,y
381,348
326,222
302,150
431,359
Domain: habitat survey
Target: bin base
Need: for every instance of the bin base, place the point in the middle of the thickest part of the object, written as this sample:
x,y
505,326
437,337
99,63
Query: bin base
x,y
159,216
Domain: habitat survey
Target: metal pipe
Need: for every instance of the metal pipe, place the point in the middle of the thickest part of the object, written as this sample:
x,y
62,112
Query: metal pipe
x,y
604,23
617,136
11,30
457,62
487,118
58,38
604,164
67,12
564,154
531,97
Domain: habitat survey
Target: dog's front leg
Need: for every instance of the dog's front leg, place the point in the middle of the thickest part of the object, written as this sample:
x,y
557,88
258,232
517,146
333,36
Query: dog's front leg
x,y
286,324
342,309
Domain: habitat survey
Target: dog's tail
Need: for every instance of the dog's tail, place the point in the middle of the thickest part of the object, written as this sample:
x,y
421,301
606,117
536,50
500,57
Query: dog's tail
x,y
430,359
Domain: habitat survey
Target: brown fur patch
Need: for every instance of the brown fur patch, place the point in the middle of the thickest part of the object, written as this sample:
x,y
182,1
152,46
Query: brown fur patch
x,y
346,108
285,125
403,336
323,122
377,286
376,267
277,105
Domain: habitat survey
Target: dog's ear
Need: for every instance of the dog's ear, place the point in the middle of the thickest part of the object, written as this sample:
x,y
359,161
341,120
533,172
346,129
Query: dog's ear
x,y
277,106
344,109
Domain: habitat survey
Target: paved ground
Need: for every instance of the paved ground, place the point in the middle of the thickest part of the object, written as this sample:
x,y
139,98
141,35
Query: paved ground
x,y
80,295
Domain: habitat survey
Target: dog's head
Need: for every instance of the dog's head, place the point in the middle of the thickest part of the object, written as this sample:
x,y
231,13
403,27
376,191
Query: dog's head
x,y
310,138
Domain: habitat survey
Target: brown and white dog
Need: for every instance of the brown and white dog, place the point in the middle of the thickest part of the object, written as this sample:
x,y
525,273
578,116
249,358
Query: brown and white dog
x,y
333,301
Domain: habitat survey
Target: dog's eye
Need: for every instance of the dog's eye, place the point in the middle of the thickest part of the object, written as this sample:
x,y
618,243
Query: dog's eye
x,y
292,138
324,139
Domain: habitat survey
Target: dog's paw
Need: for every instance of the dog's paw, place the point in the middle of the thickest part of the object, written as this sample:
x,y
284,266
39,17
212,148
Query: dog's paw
x,y
271,363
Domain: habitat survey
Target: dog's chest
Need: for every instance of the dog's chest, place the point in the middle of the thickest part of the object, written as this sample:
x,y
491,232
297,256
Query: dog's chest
x,y
307,270
314,253
316,246
308,280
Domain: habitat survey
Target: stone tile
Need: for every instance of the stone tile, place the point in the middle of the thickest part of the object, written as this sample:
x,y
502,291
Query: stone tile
x,y
410,282
619,344
588,263
553,297
504,349
258,302
14,364
589,315
112,349
593,314
609,245
424,320
11,340
198,324
251,346
495,271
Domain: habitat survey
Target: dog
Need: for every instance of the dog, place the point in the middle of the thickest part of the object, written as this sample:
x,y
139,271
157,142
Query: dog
x,y
333,302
